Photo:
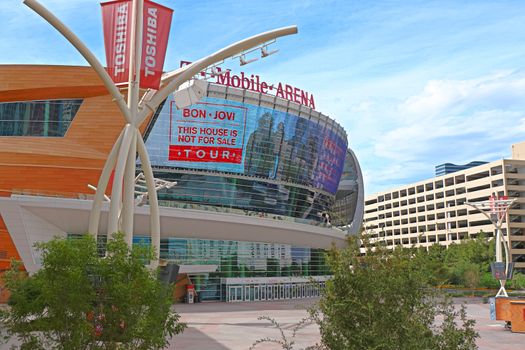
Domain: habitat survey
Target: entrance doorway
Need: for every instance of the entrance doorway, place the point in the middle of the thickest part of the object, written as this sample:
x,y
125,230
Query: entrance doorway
x,y
234,293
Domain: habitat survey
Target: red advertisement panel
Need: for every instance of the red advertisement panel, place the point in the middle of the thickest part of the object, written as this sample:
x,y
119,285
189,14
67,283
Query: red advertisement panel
x,y
116,22
205,154
156,30
207,133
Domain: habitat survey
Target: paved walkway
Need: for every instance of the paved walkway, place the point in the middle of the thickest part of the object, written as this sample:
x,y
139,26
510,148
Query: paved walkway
x,y
493,334
234,326
221,326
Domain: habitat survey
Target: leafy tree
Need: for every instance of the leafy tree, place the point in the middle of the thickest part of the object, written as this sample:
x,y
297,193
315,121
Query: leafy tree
x,y
518,281
382,300
488,281
466,263
78,300
431,262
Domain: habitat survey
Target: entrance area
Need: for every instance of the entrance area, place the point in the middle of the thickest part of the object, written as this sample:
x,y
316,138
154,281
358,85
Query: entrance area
x,y
241,289
235,293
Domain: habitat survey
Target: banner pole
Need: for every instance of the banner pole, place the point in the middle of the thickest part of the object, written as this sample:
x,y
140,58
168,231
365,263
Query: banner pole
x,y
128,199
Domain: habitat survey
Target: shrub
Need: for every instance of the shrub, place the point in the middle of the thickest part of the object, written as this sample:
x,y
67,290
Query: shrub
x,y
383,301
518,281
78,300
488,281
471,276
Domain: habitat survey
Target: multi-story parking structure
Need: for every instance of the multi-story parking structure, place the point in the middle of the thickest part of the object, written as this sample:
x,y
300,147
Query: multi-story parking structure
x,y
434,210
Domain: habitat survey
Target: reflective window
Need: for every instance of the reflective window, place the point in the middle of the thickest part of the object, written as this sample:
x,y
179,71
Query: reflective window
x,y
255,141
241,259
346,198
49,118
286,166
253,198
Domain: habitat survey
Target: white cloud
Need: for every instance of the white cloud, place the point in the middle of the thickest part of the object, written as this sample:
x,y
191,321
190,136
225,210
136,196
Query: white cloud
x,y
450,121
439,96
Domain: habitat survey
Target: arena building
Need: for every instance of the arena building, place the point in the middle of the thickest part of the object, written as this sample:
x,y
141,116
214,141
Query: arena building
x,y
264,182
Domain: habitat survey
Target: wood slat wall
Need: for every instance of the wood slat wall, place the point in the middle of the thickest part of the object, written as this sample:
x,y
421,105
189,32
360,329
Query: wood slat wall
x,y
59,164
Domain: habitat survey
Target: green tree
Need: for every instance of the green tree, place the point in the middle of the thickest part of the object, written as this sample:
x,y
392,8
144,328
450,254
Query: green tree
x,y
432,263
382,300
466,263
78,300
518,281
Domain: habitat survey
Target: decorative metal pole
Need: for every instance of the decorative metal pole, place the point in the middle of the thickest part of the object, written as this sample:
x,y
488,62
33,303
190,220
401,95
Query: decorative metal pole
x,y
496,209
122,157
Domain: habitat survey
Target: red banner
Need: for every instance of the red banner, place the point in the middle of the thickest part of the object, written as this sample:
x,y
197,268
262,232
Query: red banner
x,y
116,22
155,33
205,154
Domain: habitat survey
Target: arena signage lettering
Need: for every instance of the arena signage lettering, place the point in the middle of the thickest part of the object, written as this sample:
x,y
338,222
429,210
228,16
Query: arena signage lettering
x,y
120,38
254,83
151,42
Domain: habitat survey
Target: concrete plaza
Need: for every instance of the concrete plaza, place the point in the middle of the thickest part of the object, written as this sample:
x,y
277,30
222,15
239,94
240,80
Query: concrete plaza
x,y
221,326
234,326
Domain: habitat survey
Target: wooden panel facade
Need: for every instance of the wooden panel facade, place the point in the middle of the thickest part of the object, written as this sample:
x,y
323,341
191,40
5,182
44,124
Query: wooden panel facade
x,y
61,165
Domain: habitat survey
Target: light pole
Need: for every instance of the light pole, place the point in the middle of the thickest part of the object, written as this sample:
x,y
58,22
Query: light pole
x,y
495,209
122,156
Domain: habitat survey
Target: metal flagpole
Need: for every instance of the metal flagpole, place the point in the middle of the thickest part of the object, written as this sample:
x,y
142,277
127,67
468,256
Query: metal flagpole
x,y
133,100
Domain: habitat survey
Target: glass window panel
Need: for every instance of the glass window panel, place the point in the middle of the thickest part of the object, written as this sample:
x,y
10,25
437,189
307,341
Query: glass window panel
x,y
47,118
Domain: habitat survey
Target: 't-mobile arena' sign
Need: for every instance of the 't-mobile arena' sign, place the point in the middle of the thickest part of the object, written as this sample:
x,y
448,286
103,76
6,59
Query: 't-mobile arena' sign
x,y
254,83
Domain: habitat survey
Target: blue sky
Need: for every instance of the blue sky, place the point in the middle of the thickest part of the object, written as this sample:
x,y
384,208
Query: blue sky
x,y
414,83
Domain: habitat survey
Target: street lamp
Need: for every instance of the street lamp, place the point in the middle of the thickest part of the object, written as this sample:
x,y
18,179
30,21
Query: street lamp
x,y
495,209
122,157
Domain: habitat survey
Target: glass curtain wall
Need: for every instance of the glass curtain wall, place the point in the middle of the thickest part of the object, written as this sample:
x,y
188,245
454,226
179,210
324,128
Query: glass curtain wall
x,y
241,259
49,118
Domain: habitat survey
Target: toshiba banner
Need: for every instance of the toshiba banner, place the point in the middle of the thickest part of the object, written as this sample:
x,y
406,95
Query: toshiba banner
x,y
156,30
116,20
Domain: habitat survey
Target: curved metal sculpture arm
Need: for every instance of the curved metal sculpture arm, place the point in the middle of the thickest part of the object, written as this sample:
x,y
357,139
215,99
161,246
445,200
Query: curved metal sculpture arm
x,y
85,52
506,238
480,211
165,79
186,73
504,216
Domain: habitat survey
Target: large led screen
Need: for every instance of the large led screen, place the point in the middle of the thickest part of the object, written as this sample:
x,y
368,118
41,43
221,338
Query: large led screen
x,y
229,136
